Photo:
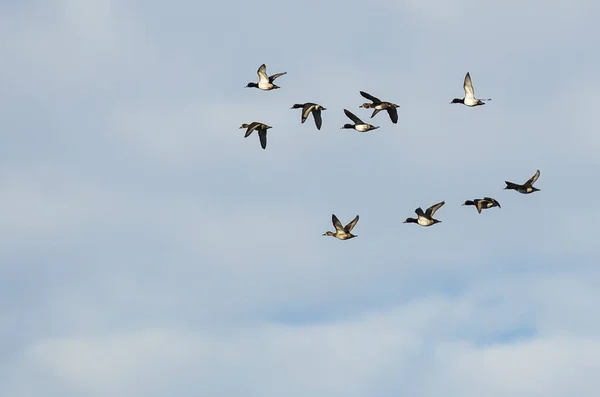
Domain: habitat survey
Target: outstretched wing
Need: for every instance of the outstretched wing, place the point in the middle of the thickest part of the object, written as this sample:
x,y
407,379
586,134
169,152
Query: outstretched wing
x,y
318,119
262,134
262,74
534,178
348,228
352,117
393,114
370,97
431,210
468,87
336,223
419,212
306,110
493,200
275,76
251,128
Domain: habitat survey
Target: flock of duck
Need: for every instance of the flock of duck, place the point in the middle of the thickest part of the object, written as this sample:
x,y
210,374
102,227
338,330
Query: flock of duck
x,y
424,218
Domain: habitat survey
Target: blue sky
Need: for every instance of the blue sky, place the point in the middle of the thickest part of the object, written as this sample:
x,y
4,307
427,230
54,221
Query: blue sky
x,y
147,248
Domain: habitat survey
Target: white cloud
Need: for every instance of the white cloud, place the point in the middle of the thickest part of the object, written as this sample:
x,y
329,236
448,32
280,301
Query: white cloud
x,y
539,367
394,349
150,249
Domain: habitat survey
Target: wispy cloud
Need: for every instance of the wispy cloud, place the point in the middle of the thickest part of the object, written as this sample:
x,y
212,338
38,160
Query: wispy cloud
x,y
149,248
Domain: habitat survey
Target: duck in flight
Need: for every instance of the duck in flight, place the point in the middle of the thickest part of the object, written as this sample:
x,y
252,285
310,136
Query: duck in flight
x,y
308,108
525,188
342,232
484,203
262,131
358,125
378,105
265,82
426,218
469,99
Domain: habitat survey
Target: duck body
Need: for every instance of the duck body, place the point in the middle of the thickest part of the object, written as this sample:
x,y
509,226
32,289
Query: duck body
x,y
308,108
525,188
469,98
425,218
484,203
262,131
379,105
342,232
358,125
265,82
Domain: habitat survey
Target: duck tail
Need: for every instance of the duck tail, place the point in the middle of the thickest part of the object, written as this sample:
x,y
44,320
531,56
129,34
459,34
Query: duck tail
x,y
510,185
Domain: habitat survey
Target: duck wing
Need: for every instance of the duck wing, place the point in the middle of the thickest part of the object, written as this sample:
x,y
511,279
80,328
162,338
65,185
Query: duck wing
x,y
370,97
431,210
275,76
262,134
375,111
419,212
318,120
478,205
251,127
306,108
534,178
493,200
393,114
262,74
468,87
336,223
348,228
353,117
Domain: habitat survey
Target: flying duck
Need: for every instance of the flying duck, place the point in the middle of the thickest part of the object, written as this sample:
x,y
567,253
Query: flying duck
x,y
262,131
425,218
525,188
469,99
358,125
484,203
342,232
378,105
308,108
265,82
